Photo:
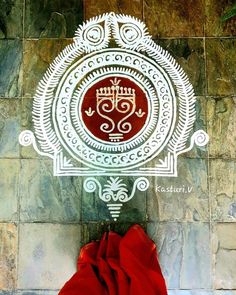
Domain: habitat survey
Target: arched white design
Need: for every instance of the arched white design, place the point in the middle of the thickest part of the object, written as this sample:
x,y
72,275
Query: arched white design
x,y
60,113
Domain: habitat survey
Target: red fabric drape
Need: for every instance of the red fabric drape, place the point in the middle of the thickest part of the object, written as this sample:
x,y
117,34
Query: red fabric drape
x,y
118,266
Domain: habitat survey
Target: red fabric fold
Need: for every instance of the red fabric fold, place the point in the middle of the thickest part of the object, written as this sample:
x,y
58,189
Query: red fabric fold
x,y
113,259
139,260
118,266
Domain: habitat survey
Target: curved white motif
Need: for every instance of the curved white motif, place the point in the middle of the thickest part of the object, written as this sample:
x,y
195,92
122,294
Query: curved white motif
x,y
27,138
199,138
115,191
94,34
129,32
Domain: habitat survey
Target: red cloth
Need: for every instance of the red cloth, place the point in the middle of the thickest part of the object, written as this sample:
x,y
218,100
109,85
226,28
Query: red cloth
x,y
118,266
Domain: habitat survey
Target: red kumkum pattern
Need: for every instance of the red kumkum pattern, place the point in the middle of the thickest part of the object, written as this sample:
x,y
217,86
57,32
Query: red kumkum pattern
x,y
114,109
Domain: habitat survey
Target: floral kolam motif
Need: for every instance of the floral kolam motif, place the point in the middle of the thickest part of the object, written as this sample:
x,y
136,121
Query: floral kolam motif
x,y
114,103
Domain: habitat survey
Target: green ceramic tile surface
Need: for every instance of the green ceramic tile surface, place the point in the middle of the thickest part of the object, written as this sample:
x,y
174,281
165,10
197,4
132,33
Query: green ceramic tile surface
x,y
9,128
11,16
10,64
222,175
184,198
9,183
184,248
224,257
53,18
41,258
221,126
38,54
44,197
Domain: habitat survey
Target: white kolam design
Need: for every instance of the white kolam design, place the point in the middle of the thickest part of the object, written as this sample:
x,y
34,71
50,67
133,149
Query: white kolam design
x,y
114,47
115,192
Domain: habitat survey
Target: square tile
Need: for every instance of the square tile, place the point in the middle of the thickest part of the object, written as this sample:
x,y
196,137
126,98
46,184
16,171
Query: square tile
x,y
132,7
47,255
44,197
11,15
176,18
182,198
8,256
189,53
221,72
94,209
222,190
52,19
9,182
184,253
10,62
221,126
215,9
224,255
9,128
38,55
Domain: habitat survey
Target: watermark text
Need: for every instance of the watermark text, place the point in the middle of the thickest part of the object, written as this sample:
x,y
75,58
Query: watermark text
x,y
182,189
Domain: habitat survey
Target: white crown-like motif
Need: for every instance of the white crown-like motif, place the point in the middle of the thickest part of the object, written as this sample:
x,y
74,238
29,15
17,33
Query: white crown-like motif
x,y
115,91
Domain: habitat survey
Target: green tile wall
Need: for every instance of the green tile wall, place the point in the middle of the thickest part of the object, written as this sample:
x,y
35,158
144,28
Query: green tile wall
x,y
45,219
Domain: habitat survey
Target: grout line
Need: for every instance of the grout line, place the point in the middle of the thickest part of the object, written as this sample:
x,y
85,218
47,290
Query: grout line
x,y
23,22
154,38
193,37
20,170
208,152
143,5
111,221
84,10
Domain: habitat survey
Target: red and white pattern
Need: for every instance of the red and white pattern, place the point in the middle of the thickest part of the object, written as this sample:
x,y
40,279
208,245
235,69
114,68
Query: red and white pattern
x,y
125,110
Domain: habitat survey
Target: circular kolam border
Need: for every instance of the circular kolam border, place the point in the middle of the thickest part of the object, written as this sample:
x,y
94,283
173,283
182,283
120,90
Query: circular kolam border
x,y
91,39
67,105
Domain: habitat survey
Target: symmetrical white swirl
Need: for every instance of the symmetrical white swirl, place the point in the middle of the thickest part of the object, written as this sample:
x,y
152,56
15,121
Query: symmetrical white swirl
x,y
115,190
